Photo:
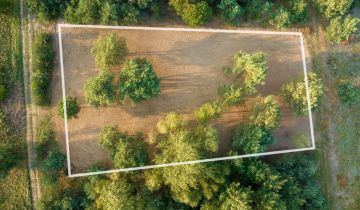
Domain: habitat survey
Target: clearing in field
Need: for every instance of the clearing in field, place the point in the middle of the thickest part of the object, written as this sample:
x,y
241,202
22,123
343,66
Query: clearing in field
x,y
189,64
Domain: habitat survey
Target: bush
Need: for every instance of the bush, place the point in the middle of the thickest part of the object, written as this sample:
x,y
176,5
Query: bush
x,y
53,162
340,29
44,136
138,81
99,90
46,10
72,108
208,111
230,11
8,157
348,93
42,64
192,13
109,51
5,81
280,19
294,93
298,9
333,8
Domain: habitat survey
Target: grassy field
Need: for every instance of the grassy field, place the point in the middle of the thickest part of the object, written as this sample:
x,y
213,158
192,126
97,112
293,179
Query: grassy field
x,y
14,188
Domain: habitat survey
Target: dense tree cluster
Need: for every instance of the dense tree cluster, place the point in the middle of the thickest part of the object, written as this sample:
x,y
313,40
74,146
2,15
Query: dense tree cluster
x,y
138,81
294,92
42,56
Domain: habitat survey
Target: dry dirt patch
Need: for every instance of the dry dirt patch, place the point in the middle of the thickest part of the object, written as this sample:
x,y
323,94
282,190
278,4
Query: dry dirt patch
x,y
189,65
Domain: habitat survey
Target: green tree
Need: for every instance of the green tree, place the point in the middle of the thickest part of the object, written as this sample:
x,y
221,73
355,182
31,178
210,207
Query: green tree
x,y
72,108
256,9
53,162
5,81
138,81
280,19
8,157
177,142
109,13
340,28
251,139
126,151
99,90
231,95
46,10
298,10
333,8
252,67
44,136
348,93
42,64
294,93
208,111
109,51
265,113
236,197
82,11
192,13
230,11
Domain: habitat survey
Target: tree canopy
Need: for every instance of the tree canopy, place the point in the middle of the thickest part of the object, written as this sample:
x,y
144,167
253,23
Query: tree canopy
x,y
138,81
265,113
333,8
193,13
109,51
99,90
341,28
72,108
294,92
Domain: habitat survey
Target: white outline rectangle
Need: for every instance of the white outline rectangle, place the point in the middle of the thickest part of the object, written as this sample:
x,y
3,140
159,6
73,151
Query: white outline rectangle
x,y
207,30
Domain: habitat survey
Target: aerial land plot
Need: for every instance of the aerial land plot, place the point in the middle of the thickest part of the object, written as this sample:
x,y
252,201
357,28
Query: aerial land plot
x,y
189,66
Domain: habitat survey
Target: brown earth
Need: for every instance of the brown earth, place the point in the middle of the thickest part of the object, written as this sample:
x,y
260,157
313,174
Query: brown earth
x,y
189,65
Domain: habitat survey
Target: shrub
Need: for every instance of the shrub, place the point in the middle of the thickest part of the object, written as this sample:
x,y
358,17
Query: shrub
x,y
8,157
265,113
53,162
5,81
42,63
109,51
348,93
294,93
138,81
192,13
280,19
44,135
208,111
340,29
46,10
99,90
333,8
72,108
230,11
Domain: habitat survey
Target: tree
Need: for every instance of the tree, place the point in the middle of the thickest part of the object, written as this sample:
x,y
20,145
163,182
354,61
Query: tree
x,y
252,67
348,93
109,14
46,10
176,142
5,80
42,64
82,11
138,81
280,19
126,151
231,95
208,111
256,9
230,11
294,93
340,28
298,9
251,139
236,197
8,157
265,113
99,90
44,136
53,162
192,13
333,8
109,51
72,108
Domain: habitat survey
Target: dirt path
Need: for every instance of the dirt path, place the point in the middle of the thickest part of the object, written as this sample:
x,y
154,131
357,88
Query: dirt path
x,y
27,30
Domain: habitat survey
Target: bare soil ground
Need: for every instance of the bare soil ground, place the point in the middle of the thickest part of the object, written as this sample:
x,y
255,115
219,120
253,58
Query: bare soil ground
x,y
189,65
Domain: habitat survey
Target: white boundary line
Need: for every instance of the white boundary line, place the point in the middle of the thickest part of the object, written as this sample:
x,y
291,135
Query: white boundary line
x,y
206,30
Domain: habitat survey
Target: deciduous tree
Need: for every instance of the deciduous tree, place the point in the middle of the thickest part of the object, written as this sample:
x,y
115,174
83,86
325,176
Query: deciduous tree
x,y
340,28
99,90
72,108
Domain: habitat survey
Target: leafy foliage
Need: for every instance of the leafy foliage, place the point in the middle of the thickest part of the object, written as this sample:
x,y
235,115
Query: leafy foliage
x,y
72,108
44,136
298,10
333,8
192,13
348,93
138,81
208,111
340,28
258,9
252,67
294,92
230,11
53,162
109,51
99,90
280,19
42,63
126,151
265,113
46,10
